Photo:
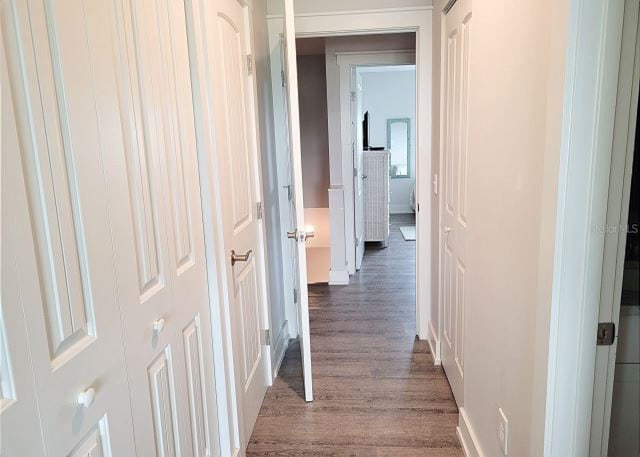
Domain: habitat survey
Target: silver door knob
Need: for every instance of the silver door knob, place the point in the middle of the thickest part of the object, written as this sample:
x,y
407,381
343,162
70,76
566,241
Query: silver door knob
x,y
240,257
293,234
309,235
158,326
86,397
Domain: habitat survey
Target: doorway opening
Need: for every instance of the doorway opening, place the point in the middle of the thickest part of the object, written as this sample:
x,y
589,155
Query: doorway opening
x,y
625,402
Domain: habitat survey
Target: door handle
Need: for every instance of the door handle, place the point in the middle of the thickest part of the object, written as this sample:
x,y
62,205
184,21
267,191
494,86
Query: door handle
x,y
300,236
447,229
240,257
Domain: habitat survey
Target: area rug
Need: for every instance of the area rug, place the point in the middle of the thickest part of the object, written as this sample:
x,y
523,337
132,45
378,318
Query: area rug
x,y
408,233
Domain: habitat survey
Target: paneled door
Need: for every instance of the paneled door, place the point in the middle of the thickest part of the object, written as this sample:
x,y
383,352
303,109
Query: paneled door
x,y
357,150
19,421
159,242
454,199
239,174
299,232
58,270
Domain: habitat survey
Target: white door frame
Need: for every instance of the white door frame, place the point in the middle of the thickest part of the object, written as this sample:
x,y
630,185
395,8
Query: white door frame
x,y
347,61
591,83
394,20
232,435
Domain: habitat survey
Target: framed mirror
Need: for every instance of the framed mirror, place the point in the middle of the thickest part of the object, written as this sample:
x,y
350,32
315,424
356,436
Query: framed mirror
x,y
399,145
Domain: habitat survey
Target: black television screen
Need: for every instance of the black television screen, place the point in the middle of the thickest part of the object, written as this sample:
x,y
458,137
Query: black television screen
x,y
365,131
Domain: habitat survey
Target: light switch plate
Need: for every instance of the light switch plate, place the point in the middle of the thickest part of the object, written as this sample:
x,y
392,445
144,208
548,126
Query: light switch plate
x,y
503,431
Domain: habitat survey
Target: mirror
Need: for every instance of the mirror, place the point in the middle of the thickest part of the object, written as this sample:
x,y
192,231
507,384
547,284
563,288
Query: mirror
x,y
398,135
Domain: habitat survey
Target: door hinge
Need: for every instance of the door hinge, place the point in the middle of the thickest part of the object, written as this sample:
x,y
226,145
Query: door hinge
x,y
357,241
284,78
355,172
266,335
353,148
418,207
295,295
435,184
259,212
249,64
353,96
606,334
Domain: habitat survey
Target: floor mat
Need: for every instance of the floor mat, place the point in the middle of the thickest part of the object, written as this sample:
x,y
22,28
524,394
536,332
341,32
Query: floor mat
x,y
408,233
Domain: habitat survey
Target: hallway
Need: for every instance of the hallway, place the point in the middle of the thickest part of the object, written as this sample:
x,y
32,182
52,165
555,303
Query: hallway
x,y
377,392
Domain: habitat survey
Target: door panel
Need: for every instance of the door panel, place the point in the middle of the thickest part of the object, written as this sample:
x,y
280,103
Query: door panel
x,y
298,207
165,304
356,120
62,70
239,175
18,408
454,211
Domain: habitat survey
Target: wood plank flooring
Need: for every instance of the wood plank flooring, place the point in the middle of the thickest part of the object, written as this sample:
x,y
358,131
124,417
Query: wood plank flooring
x,y
377,392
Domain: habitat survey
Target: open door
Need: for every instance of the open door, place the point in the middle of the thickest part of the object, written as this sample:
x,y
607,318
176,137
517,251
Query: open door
x,y
358,176
298,232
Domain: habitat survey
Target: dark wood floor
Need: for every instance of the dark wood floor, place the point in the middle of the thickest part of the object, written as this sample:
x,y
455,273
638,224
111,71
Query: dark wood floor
x,y
377,392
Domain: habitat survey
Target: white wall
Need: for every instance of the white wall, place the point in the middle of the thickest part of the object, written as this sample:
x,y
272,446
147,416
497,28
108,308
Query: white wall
x,y
392,95
269,172
514,140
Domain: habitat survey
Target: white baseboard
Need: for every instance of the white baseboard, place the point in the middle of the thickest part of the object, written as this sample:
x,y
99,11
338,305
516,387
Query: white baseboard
x,y
467,436
400,209
280,345
338,278
434,344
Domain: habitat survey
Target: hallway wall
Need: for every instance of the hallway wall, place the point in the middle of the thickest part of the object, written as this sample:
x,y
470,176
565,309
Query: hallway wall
x,y
516,100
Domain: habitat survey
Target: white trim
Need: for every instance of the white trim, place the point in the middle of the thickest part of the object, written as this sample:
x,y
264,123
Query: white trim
x,y
354,12
400,209
338,277
254,140
467,436
587,133
280,348
434,345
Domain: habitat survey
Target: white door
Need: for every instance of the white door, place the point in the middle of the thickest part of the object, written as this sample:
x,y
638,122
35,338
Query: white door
x,y
454,198
158,235
239,175
299,231
60,265
358,175
616,396
19,421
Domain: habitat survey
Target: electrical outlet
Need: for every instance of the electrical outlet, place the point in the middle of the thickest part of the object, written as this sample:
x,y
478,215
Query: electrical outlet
x,y
503,431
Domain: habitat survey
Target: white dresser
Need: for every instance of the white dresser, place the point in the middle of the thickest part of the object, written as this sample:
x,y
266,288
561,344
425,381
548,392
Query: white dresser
x,y
376,196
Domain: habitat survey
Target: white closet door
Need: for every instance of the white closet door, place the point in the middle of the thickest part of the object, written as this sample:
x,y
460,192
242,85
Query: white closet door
x,y
19,421
159,238
63,76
